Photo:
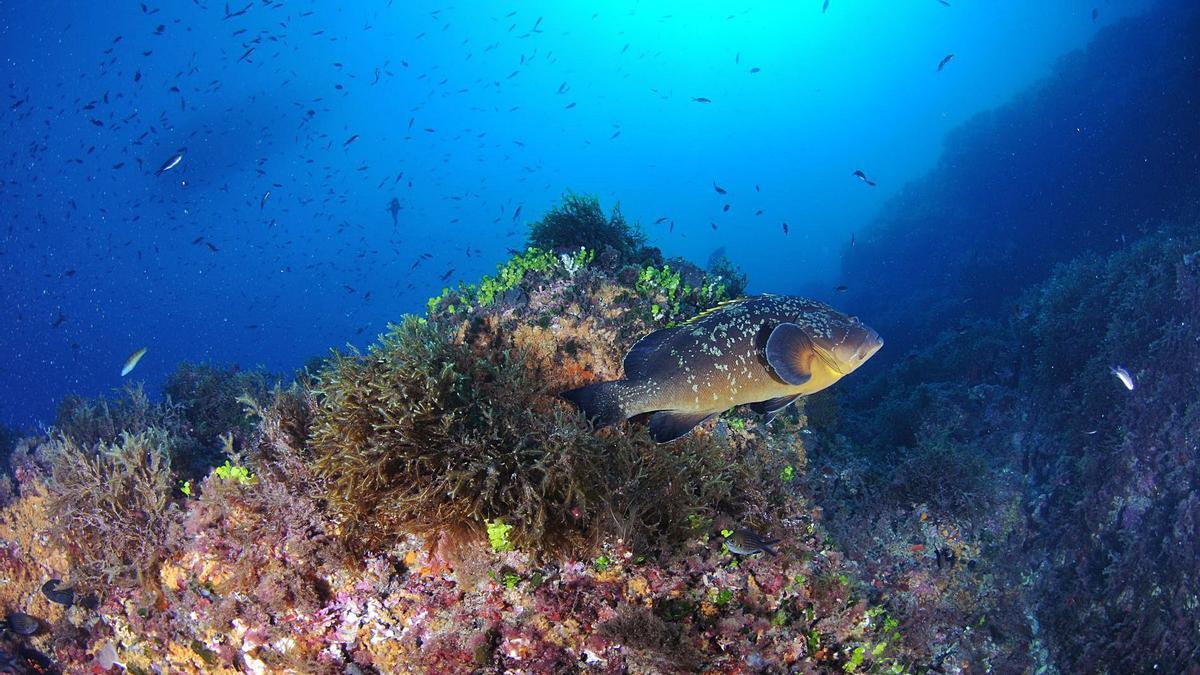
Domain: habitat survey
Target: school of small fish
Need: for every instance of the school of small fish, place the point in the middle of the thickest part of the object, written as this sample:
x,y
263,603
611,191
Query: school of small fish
x,y
167,150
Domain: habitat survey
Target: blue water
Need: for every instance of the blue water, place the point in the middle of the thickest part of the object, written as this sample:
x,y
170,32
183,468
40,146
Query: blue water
x,y
465,114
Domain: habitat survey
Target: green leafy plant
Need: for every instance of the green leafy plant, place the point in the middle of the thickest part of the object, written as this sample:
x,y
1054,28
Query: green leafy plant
x,y
239,474
497,532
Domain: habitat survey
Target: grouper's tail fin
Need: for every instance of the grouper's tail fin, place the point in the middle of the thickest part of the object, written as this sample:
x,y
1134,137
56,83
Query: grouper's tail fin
x,y
602,402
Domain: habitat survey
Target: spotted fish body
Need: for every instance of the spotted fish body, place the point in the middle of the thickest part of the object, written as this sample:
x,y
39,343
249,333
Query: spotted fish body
x,y
765,351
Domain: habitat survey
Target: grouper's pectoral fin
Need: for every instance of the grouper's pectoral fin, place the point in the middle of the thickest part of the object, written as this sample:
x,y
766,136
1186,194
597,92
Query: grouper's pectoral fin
x,y
790,352
773,405
668,425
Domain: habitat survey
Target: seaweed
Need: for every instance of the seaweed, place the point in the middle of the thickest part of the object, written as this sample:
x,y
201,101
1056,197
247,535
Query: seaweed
x,y
110,504
424,434
578,221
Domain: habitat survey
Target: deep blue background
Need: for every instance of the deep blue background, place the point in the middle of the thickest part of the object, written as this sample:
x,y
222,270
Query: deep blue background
x,y
464,100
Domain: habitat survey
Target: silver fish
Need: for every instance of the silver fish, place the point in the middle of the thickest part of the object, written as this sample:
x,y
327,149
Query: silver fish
x,y
1123,375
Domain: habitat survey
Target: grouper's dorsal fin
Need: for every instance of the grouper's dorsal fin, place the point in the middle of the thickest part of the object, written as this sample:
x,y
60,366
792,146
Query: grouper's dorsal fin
x,y
719,307
645,355
790,352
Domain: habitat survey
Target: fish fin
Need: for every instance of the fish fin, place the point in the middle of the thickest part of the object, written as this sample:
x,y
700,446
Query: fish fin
x,y
722,306
668,425
640,361
600,402
790,353
773,405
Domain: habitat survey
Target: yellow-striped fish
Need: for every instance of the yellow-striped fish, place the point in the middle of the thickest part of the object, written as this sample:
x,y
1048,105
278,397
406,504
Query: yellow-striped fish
x,y
132,361
766,351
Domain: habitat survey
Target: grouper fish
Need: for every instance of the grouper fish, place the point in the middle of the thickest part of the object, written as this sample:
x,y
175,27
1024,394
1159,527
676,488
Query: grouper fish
x,y
766,351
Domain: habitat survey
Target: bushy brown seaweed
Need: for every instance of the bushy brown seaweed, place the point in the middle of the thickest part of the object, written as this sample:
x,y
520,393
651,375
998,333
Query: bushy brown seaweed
x,y
425,434
110,504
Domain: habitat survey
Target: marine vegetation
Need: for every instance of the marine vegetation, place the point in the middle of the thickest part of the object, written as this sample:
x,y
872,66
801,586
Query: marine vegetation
x,y
110,504
432,503
451,423
578,221
207,397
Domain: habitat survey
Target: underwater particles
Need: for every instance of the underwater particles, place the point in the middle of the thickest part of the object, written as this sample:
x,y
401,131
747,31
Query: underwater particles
x,y
766,351
745,541
1122,375
132,361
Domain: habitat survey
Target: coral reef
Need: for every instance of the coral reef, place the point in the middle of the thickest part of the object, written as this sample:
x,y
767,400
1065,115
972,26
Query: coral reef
x,y
431,505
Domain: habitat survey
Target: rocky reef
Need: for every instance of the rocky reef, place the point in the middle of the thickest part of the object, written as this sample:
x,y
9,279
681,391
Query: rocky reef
x,y
430,505
1003,488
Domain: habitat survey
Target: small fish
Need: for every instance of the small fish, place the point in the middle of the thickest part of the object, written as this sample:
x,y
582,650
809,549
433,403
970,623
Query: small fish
x,y
720,190
21,624
244,56
394,209
825,6
62,318
1095,14
132,361
172,162
766,351
748,542
350,140
851,240
945,3
661,220
863,177
1123,375
841,289
785,229
54,592
701,99
944,61
262,203
447,274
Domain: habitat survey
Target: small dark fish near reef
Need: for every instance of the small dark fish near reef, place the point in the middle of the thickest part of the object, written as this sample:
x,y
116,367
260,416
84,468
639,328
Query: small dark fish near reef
x,y
55,592
748,542
766,351
20,623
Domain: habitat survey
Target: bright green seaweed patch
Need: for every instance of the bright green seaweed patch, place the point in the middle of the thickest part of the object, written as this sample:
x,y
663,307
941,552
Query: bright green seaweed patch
x,y
468,297
677,297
